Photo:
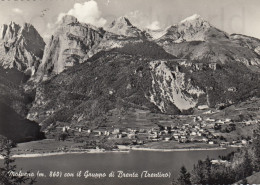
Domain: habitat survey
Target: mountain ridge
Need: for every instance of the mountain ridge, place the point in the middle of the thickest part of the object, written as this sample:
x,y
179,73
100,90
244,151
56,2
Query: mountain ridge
x,y
86,71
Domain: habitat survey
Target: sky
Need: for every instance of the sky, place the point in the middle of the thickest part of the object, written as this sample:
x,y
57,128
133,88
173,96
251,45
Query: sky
x,y
232,16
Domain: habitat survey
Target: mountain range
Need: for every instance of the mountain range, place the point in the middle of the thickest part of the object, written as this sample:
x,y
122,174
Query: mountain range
x,y
83,72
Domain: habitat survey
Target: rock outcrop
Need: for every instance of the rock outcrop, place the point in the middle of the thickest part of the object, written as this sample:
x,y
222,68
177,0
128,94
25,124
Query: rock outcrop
x,y
21,47
248,42
68,46
170,88
74,42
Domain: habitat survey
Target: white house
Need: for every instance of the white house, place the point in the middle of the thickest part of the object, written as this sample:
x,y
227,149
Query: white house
x,y
244,142
203,107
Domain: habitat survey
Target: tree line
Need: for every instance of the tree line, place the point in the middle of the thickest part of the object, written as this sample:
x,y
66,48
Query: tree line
x,y
9,166
243,164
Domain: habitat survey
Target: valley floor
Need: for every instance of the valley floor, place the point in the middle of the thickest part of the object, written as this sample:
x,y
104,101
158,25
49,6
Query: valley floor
x,y
204,130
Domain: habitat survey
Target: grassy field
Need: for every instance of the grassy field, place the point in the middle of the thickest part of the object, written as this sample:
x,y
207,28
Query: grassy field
x,y
45,146
177,145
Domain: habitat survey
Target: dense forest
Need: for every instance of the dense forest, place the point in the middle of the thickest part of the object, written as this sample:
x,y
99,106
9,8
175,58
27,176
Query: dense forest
x,y
241,164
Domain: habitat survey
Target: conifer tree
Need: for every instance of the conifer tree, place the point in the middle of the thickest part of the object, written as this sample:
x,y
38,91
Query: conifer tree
x,y
8,166
247,165
207,165
184,177
198,175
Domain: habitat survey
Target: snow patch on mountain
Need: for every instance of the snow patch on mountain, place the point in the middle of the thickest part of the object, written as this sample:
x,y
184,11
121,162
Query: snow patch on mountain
x,y
191,18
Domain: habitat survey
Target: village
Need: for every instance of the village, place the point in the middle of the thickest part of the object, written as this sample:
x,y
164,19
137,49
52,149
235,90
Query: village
x,y
201,130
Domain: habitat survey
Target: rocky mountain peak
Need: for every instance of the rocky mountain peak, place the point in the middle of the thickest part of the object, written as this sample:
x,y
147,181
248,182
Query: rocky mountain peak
x,y
67,19
122,26
14,34
9,32
69,44
31,40
195,38
193,28
193,18
13,26
120,22
27,27
21,47
195,21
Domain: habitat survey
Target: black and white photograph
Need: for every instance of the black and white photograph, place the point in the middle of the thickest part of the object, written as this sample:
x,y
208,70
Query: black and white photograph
x,y
129,92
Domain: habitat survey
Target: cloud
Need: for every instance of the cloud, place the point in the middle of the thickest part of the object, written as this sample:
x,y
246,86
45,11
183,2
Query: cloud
x,y
134,17
49,30
142,20
87,12
17,10
46,37
155,25
50,25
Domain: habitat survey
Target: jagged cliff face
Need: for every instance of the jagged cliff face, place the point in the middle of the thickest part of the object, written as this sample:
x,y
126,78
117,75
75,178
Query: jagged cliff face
x,y
75,42
170,88
110,41
118,34
21,47
68,46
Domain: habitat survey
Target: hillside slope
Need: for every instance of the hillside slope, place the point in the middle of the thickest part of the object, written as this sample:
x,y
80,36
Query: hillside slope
x,y
132,76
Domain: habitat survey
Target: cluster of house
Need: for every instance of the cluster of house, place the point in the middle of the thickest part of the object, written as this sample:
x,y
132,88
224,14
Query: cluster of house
x,y
200,130
251,122
110,133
